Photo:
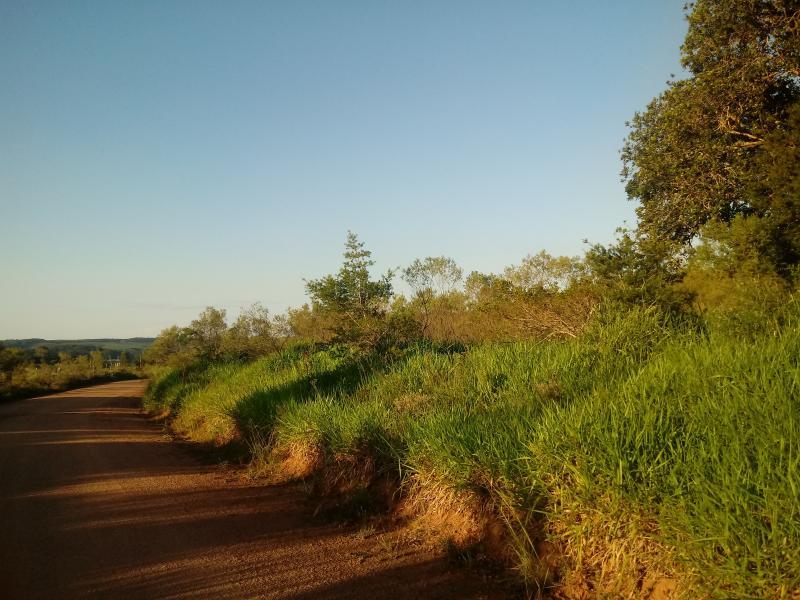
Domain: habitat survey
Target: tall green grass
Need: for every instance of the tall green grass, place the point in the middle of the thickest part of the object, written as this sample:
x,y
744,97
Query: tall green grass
x,y
644,445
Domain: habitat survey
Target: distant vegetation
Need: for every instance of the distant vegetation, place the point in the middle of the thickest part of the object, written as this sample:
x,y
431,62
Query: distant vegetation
x,y
35,366
624,423
110,347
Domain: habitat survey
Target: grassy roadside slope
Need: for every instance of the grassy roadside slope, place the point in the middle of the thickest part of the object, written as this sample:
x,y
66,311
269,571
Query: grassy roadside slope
x,y
642,458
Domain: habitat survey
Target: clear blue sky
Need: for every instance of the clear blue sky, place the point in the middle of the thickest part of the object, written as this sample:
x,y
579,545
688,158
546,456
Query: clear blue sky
x,y
160,156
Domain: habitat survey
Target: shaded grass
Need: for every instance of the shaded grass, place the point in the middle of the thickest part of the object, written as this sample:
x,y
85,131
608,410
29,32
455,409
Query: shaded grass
x,y
645,449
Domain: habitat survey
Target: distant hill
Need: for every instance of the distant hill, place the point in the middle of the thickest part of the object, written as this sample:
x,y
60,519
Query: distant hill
x,y
111,347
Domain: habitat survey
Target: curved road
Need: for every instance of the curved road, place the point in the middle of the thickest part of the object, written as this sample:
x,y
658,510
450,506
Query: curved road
x,y
95,501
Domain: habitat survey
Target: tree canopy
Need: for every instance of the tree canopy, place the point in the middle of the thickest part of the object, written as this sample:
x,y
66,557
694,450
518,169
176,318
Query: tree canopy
x,y
357,301
722,143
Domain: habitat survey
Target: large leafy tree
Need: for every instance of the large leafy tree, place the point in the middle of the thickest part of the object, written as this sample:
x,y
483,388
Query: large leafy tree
x,y
722,144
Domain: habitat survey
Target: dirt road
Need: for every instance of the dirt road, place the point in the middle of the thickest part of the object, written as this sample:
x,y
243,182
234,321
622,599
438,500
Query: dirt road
x,y
96,501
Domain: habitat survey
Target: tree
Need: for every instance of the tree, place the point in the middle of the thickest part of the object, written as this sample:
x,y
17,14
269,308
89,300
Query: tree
x,y
359,302
171,347
206,333
41,354
11,358
252,334
311,324
96,360
700,152
433,281
543,271
438,274
636,269
482,287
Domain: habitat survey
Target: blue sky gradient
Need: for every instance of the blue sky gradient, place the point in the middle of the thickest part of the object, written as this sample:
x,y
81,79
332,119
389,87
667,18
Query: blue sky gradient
x,y
157,157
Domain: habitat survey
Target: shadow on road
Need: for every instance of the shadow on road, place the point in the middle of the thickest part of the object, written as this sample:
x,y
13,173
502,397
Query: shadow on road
x,y
97,502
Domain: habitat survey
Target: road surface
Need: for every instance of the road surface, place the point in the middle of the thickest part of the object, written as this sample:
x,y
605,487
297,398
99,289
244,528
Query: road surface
x,y
96,501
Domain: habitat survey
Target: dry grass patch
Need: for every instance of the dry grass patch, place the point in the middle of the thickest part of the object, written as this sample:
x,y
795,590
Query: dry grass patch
x,y
462,520
297,460
412,404
610,549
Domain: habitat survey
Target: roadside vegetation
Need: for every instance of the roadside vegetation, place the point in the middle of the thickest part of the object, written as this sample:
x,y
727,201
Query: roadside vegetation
x,y
112,348
621,424
25,373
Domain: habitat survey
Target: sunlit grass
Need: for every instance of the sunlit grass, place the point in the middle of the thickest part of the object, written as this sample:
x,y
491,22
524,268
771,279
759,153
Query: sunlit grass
x,y
643,446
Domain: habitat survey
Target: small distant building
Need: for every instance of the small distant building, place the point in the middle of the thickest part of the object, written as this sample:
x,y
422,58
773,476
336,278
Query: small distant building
x,y
111,363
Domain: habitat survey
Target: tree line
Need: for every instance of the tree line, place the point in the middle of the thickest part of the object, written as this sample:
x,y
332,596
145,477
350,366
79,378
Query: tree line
x,y
713,163
38,371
